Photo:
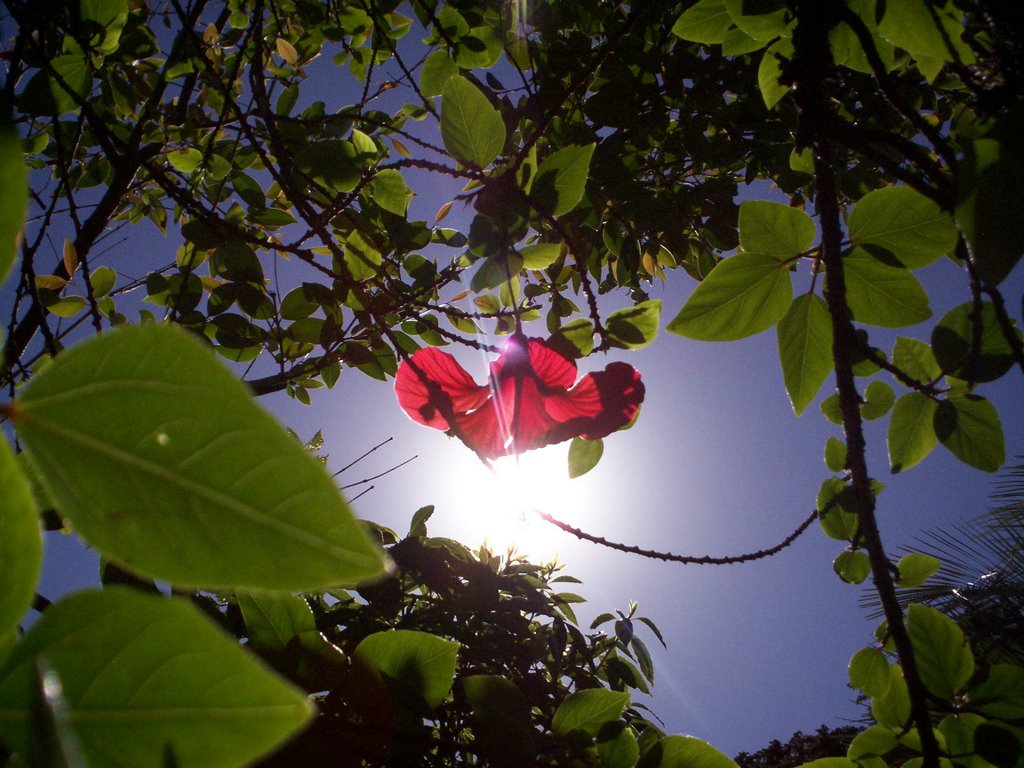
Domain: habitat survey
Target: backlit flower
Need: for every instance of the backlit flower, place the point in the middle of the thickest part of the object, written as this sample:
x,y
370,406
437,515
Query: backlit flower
x,y
531,399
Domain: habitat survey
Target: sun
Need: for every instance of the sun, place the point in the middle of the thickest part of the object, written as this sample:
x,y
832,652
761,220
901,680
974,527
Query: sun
x,y
497,506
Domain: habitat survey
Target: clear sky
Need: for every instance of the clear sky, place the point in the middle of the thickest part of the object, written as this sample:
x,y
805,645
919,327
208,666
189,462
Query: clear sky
x,y
716,464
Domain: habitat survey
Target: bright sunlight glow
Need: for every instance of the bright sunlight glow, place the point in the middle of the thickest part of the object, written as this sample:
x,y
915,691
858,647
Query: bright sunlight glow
x,y
496,506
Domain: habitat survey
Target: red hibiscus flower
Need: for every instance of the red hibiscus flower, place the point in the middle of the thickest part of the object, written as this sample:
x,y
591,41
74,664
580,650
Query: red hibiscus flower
x,y
529,401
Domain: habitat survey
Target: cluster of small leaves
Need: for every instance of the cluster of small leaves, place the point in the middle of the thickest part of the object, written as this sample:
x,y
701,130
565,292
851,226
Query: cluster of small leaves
x,y
457,656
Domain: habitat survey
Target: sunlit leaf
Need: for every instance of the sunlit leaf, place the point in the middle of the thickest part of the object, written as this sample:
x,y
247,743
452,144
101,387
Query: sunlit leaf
x,y
852,567
904,222
634,327
769,72
878,399
774,228
388,190
540,255
835,454
879,294
869,672
421,662
140,674
185,160
915,569
968,425
763,20
201,486
892,708
953,339
588,710
273,619
561,179
286,51
471,128
438,68
21,542
916,359
707,21
909,24
911,434
943,656
873,741
743,295
617,746
584,455
805,349
689,752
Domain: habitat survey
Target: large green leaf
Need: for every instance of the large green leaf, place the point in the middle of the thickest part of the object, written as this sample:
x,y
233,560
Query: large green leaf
x,y
763,20
197,485
905,223
273,619
892,708
502,725
588,710
471,128
911,431
968,425
634,327
389,190
707,21
879,294
13,198
422,663
561,179
769,72
805,349
869,671
944,659
689,752
953,338
144,677
743,295
60,93
21,542
774,228
438,68
916,359
990,204
909,24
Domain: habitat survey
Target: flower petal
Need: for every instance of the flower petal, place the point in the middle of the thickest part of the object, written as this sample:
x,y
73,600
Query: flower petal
x,y
430,375
551,367
600,403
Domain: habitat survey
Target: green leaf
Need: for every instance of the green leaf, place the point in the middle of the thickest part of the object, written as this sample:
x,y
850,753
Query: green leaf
x,y
60,94
273,619
103,280
805,349
67,306
892,708
110,15
904,222
998,745
502,725
13,198
634,327
1000,694
852,567
140,675
334,164
916,359
495,271
472,130
574,339
617,746
185,160
774,228
990,197
952,339
561,179
879,294
763,20
909,24
944,659
540,255
911,434
584,455
835,510
201,486
707,21
689,752
830,762
869,672
420,662
830,408
968,425
388,190
438,68
835,454
878,399
743,295
873,741
769,72
915,569
21,542
588,710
